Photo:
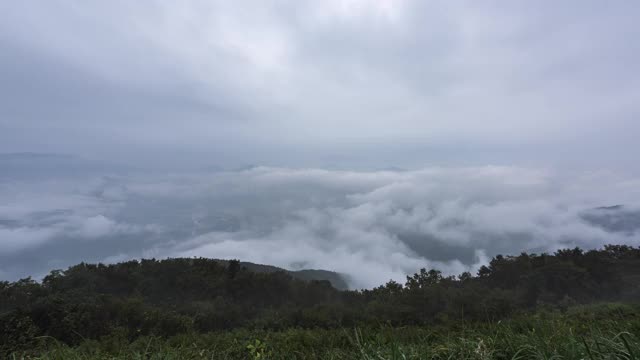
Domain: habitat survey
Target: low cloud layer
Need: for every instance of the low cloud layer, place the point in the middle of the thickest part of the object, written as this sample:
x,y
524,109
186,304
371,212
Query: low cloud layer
x,y
372,226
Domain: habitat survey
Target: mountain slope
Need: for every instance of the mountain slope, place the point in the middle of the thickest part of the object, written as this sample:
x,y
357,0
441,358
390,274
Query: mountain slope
x,y
337,280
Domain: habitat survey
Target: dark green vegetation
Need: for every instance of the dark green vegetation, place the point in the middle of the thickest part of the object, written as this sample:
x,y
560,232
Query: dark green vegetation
x,y
336,280
527,306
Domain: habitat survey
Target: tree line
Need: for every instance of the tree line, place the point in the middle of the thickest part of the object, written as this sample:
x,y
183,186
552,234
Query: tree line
x,y
199,295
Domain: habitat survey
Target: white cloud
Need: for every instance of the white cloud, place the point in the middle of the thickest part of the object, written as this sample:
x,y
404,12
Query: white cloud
x,y
13,240
97,226
372,226
379,225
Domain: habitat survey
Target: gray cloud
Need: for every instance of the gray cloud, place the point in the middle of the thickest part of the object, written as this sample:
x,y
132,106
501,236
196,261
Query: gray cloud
x,y
410,82
372,226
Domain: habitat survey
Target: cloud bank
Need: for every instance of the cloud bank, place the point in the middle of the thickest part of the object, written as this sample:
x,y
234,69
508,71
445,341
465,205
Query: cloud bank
x,y
372,226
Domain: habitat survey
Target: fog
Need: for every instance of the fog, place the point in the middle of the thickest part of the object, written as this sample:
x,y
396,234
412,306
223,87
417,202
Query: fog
x,y
372,226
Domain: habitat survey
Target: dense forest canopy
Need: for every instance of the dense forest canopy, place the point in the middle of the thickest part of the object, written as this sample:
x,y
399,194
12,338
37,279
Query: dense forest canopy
x,y
173,296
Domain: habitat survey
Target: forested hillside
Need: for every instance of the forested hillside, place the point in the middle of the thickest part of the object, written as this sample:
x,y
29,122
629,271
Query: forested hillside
x,y
165,298
337,280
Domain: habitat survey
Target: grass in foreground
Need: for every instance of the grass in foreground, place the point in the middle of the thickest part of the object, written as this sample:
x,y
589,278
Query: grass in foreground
x,y
605,332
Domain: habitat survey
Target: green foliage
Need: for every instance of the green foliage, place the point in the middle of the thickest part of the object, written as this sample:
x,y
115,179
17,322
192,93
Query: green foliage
x,y
540,335
526,306
258,350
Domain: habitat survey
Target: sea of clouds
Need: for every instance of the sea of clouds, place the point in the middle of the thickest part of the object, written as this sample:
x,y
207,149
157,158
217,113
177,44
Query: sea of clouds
x,y
369,225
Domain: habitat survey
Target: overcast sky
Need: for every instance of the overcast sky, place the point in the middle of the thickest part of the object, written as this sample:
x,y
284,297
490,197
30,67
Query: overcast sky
x,y
350,83
390,135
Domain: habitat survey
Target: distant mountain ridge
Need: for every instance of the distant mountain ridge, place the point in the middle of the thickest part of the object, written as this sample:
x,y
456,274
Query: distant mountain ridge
x,y
616,218
337,280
